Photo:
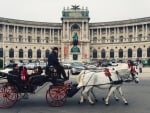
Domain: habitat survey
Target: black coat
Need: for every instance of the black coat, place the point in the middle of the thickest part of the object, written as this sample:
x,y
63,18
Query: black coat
x,y
53,59
14,72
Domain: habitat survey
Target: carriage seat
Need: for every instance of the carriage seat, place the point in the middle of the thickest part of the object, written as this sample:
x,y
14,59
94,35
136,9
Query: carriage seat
x,y
51,70
52,73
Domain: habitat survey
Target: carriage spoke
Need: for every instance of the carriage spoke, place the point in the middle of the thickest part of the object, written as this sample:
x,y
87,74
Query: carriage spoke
x,y
8,96
56,96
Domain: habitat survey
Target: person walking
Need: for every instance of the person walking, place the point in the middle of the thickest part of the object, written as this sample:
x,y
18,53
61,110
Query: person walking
x,y
140,66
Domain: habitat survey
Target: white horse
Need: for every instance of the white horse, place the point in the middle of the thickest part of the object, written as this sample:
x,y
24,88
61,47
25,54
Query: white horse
x,y
88,79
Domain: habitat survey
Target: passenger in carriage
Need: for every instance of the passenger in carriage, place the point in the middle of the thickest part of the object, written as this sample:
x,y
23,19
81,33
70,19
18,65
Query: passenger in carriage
x,y
53,61
15,70
21,72
37,71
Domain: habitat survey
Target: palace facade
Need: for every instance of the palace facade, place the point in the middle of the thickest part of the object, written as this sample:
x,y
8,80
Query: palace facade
x,y
76,38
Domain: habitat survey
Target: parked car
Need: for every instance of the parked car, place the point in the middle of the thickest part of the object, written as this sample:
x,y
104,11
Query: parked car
x,y
114,64
10,65
42,65
106,63
30,65
76,68
66,65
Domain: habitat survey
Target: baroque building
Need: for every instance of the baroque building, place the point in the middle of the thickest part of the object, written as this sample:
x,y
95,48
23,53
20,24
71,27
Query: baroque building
x,y
76,38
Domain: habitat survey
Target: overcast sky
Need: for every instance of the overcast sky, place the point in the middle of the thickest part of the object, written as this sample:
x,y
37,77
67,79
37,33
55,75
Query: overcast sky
x,y
50,10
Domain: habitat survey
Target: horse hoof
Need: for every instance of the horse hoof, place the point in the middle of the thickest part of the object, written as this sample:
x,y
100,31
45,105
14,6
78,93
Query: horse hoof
x,y
103,99
126,104
117,99
80,102
96,100
106,104
85,100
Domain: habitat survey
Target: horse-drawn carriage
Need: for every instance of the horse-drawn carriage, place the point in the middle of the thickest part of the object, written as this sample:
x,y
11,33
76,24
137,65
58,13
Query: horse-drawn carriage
x,y
12,90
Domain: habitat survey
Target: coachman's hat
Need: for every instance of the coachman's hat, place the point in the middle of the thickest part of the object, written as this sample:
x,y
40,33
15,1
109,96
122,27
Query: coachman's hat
x,y
55,48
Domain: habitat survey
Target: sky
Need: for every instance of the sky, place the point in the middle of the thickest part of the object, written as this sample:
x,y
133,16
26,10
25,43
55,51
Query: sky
x,y
51,10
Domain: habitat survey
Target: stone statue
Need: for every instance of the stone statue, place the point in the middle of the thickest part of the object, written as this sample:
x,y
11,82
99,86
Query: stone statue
x,y
75,39
75,49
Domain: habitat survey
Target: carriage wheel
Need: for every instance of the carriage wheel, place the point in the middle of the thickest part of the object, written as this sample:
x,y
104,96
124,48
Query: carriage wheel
x,y
8,96
56,96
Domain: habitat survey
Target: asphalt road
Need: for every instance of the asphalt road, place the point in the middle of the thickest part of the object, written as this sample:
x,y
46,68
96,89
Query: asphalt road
x,y
138,96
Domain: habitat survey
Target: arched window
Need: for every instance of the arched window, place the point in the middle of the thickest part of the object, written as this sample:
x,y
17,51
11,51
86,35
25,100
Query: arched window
x,y
111,53
47,53
1,52
139,52
129,53
11,53
20,53
30,53
148,52
120,53
94,53
103,53
75,27
38,53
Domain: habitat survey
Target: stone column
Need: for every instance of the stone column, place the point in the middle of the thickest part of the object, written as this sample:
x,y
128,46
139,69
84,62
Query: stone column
x,y
35,38
118,38
127,34
87,31
4,33
15,38
50,35
100,35
146,31
63,32
108,35
125,39
136,30
17,32
143,34
24,34
133,33
44,38
8,33
41,35
92,35
68,33
97,35
53,35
